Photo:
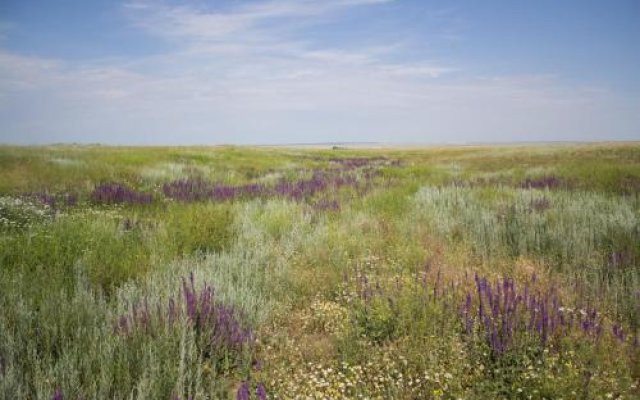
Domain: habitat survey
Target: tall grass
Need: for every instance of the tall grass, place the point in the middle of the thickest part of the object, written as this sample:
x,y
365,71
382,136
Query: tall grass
x,y
309,273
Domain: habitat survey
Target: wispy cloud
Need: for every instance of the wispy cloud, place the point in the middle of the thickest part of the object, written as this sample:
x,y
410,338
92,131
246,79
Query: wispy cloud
x,y
238,74
202,24
241,40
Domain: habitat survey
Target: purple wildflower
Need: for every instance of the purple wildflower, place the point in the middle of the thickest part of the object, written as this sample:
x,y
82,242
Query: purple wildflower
x,y
261,392
116,193
71,199
543,182
58,395
218,325
243,392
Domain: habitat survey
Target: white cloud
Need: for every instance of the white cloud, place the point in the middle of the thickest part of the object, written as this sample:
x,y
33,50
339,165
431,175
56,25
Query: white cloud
x,y
233,76
188,22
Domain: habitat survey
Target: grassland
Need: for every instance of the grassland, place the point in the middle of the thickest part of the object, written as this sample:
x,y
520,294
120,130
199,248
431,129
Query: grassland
x,y
391,273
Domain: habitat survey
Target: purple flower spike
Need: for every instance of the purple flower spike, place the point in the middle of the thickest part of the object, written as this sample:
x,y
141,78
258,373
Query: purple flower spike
x,y
327,205
261,392
503,311
116,193
618,332
58,395
243,391
48,200
189,190
217,324
545,182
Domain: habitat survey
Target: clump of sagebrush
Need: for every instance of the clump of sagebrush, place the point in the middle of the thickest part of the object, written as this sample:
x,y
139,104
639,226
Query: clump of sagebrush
x,y
183,345
587,236
219,330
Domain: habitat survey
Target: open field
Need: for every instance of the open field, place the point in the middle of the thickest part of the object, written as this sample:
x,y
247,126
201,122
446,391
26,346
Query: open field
x,y
388,273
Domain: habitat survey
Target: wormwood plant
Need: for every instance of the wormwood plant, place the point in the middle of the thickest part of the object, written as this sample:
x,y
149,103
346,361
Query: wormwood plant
x,y
583,235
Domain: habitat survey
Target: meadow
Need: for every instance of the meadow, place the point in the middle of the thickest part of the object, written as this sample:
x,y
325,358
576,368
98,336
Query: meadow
x,y
476,272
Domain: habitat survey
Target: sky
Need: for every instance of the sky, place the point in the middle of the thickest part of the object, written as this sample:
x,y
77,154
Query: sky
x,y
316,71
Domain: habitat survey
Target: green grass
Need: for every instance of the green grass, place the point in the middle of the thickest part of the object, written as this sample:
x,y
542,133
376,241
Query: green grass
x,y
362,299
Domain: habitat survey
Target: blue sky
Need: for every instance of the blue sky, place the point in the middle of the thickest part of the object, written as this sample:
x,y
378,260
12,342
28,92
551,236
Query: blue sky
x,y
292,71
